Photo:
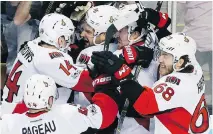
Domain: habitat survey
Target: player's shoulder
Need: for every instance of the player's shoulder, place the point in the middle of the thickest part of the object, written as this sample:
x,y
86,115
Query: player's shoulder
x,y
11,119
48,55
65,109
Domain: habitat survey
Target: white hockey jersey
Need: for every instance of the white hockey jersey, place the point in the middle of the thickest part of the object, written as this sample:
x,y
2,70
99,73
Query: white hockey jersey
x,y
180,99
62,119
34,59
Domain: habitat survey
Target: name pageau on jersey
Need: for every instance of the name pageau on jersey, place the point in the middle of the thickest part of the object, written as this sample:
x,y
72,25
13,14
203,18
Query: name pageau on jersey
x,y
63,119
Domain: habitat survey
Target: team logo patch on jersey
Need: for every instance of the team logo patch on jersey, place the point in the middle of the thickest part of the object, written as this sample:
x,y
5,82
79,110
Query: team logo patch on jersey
x,y
84,59
45,83
111,20
63,23
75,73
93,109
83,110
55,55
41,31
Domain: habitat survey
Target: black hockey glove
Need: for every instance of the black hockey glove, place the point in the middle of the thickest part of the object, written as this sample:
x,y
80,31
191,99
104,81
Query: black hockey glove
x,y
161,20
110,64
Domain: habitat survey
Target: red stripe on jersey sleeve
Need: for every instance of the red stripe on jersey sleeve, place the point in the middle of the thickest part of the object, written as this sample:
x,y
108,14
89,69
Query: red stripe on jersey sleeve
x,y
84,83
163,19
20,108
176,121
146,102
108,108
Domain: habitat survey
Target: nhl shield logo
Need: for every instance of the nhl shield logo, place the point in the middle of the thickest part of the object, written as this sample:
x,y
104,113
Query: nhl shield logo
x,y
41,31
186,39
63,23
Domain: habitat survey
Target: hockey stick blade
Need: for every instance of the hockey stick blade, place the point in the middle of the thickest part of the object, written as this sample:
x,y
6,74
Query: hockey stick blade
x,y
109,35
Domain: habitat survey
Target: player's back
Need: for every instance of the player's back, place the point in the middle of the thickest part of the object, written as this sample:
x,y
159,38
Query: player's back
x,y
25,66
61,119
183,95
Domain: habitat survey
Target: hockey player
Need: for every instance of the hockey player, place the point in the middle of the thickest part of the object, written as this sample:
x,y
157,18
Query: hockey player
x,y
97,21
176,111
138,35
45,55
45,117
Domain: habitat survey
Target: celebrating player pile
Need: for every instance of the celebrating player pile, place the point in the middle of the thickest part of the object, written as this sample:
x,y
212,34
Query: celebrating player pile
x,y
170,100
128,71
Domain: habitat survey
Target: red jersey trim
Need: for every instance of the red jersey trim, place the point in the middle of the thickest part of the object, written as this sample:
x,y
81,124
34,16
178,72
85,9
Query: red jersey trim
x,y
84,83
176,121
108,108
146,102
20,108
32,115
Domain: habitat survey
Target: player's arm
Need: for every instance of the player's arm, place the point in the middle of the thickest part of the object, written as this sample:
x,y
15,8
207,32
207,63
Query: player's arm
x,y
107,101
64,72
147,101
101,113
158,19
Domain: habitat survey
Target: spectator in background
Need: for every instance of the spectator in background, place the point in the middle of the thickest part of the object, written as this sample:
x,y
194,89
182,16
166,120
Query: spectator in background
x,y
19,25
198,25
4,54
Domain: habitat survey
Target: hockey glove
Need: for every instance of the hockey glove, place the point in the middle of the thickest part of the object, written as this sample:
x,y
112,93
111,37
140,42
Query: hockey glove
x,y
104,82
161,20
138,55
110,64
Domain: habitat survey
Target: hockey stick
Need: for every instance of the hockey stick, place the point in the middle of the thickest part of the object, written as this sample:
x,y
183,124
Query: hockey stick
x,y
159,4
109,35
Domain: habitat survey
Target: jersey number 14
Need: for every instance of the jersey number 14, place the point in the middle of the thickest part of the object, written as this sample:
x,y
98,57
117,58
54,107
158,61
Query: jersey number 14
x,y
12,82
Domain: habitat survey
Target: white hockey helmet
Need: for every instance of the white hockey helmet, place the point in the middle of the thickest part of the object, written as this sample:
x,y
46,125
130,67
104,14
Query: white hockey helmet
x,y
52,26
178,45
129,12
38,90
100,18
